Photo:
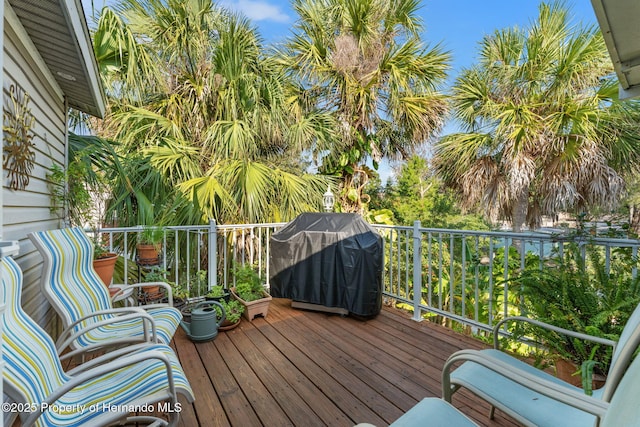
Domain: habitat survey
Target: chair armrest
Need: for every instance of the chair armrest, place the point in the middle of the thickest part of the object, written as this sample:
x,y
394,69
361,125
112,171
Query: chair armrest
x,y
122,290
574,334
102,370
68,336
574,398
113,311
116,312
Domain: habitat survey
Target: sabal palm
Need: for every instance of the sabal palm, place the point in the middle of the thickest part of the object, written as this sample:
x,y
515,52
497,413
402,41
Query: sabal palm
x,y
363,61
213,117
544,130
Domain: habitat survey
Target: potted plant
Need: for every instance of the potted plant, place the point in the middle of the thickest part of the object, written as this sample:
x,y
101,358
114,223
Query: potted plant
x,y
104,263
234,310
149,245
152,292
180,295
217,293
250,292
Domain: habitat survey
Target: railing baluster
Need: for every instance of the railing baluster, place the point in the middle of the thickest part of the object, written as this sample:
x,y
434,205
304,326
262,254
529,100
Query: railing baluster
x,y
634,257
429,270
391,263
407,243
463,277
440,271
212,251
476,305
490,314
417,272
452,277
505,295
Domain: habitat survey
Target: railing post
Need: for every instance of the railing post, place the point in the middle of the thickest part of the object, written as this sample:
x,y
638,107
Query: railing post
x,y
417,272
213,253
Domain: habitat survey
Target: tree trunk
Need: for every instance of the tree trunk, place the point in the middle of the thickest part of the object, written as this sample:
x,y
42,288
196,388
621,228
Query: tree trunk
x,y
352,199
634,219
519,212
519,217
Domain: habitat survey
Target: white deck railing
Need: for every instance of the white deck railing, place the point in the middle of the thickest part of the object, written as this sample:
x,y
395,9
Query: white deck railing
x,y
462,275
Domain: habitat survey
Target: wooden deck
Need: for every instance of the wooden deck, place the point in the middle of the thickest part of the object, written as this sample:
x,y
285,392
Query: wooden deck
x,y
308,368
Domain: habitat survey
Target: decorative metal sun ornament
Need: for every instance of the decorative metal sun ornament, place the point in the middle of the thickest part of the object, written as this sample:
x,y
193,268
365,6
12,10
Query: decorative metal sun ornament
x,y
19,153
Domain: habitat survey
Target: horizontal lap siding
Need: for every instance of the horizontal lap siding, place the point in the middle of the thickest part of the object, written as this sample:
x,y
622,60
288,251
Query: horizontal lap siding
x,y
28,210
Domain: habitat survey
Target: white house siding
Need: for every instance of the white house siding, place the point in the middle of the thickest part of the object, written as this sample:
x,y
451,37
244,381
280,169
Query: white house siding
x,y
28,210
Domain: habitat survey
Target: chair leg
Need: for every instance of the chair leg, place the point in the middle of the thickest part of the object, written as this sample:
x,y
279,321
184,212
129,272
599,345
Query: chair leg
x,y
492,412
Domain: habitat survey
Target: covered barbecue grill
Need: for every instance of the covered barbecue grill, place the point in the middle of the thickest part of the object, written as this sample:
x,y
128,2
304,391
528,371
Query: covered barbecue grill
x,y
329,262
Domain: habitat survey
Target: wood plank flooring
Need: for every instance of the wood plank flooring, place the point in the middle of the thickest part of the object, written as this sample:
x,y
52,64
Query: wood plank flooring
x,y
306,368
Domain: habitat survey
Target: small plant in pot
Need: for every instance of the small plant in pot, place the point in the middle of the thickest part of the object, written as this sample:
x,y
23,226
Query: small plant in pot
x,y
104,263
250,292
218,293
149,245
234,310
180,295
153,291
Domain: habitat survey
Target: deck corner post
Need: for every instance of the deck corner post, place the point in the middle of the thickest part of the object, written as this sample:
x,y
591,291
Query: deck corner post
x,y
417,272
213,252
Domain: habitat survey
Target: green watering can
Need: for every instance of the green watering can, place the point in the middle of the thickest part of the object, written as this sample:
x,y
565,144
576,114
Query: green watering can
x,y
204,321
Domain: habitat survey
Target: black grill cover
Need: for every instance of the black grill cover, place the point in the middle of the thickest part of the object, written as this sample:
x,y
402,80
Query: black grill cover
x,y
334,260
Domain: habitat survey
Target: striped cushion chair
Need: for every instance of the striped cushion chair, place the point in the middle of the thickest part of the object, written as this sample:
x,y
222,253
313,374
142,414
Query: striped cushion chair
x,y
103,391
83,303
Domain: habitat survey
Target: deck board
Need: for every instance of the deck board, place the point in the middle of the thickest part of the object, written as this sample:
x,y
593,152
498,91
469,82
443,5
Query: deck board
x,y
306,368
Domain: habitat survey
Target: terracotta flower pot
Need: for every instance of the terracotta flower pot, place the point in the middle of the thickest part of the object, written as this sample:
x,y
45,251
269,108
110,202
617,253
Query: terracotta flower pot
x,y
104,267
227,326
566,371
148,254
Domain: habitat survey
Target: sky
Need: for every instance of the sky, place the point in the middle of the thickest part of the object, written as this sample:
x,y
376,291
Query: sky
x,y
457,25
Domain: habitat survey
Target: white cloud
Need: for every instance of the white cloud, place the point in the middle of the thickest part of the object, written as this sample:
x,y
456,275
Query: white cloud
x,y
259,10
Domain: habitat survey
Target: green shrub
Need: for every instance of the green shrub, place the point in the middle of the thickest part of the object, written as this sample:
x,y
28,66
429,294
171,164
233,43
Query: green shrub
x,y
574,291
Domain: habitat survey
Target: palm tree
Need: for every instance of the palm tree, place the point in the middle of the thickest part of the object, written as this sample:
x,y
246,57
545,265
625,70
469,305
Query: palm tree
x,y
210,113
544,128
363,61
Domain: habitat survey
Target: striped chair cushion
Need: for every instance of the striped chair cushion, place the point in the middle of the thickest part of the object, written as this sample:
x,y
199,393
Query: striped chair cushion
x,y
33,371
